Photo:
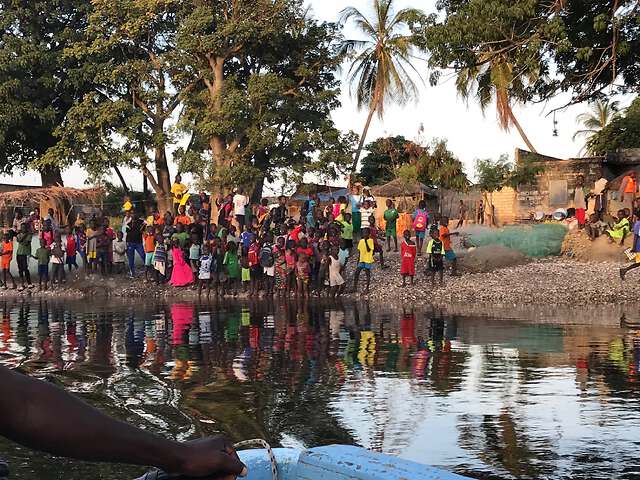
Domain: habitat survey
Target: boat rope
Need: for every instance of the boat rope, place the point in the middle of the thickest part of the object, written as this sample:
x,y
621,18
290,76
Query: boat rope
x,y
267,447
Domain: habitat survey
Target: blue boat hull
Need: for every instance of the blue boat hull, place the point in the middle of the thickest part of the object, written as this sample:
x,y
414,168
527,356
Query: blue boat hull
x,y
338,462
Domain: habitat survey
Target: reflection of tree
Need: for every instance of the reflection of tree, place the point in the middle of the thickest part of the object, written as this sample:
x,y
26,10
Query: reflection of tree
x,y
501,443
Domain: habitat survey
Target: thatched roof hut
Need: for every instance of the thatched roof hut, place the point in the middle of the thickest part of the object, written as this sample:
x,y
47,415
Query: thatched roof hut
x,y
401,188
61,199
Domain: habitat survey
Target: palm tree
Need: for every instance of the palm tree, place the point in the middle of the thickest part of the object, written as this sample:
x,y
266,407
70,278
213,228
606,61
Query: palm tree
x,y
379,71
494,79
602,113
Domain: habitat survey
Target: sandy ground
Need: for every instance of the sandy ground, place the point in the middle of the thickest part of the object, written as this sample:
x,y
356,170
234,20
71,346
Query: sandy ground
x,y
545,283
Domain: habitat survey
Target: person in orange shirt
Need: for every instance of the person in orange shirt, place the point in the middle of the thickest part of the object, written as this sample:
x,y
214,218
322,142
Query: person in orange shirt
x,y
7,255
445,236
182,217
149,241
628,189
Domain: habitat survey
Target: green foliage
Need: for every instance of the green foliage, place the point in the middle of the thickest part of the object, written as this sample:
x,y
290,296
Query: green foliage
x,y
602,113
576,46
38,84
494,175
438,166
385,155
267,86
622,132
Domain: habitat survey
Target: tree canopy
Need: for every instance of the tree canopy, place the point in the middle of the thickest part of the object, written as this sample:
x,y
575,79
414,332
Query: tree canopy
x,y
576,46
38,83
494,175
432,164
621,132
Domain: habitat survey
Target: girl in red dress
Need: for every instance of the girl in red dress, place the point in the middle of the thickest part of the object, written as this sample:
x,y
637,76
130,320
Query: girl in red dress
x,y
408,252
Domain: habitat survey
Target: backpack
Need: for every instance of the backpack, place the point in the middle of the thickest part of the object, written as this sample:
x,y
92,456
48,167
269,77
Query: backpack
x,y
266,256
421,220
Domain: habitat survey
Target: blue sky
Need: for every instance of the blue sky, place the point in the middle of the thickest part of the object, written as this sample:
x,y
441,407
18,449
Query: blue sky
x,y
470,134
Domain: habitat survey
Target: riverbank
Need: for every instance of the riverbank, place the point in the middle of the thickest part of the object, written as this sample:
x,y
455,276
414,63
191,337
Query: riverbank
x,y
545,282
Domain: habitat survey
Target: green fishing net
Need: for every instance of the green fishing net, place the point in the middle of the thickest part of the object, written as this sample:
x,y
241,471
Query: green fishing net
x,y
534,241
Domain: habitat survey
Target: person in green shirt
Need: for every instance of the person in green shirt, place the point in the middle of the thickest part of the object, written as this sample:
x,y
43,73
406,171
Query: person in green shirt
x,y
232,267
347,230
43,255
391,216
181,236
23,252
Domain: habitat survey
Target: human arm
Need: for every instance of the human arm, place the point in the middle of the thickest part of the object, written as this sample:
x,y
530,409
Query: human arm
x,y
42,416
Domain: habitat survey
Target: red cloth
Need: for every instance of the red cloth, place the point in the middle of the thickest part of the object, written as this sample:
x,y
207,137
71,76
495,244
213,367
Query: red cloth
x,y
580,216
71,246
408,254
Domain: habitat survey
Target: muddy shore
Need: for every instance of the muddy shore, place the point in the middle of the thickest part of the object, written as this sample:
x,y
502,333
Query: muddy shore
x,y
553,281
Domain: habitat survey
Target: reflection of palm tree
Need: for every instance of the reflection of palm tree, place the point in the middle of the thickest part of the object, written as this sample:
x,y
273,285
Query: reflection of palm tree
x,y
601,113
379,70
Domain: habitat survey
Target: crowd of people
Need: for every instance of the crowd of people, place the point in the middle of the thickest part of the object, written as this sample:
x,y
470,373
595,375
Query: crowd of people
x,y
250,248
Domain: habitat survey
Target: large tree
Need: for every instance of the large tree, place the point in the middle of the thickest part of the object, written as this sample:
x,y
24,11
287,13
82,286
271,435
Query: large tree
x,y
582,47
382,69
385,155
38,83
128,52
268,87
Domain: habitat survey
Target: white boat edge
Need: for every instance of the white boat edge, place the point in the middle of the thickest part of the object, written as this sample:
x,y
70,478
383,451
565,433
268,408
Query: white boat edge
x,y
338,462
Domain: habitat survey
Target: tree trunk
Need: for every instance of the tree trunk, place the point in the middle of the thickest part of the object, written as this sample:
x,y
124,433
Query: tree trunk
x,y
51,176
356,159
121,178
258,186
521,132
163,186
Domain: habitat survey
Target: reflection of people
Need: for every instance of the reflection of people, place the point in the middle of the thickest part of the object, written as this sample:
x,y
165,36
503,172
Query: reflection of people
x,y
42,416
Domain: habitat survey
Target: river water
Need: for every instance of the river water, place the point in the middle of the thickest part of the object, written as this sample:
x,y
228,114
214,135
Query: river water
x,y
551,397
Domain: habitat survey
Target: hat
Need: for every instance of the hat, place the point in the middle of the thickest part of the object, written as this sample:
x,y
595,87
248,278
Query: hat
x,y
32,213
366,188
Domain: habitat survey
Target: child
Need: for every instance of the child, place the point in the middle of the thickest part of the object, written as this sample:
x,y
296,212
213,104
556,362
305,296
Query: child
x,y
281,273
181,275
344,252
119,253
71,250
7,255
217,267
375,234
435,250
204,272
445,236
57,260
254,264
232,267
43,255
149,241
336,282
91,247
420,221
366,211
246,273
408,252
194,252
347,231
303,274
81,244
620,229
290,258
23,252
103,243
391,216
365,261
160,259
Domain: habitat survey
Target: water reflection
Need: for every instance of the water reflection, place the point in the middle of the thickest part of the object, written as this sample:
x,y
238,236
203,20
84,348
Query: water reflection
x,y
486,397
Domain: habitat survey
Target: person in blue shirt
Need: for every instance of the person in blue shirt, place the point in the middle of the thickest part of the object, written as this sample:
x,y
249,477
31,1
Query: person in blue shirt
x,y
635,248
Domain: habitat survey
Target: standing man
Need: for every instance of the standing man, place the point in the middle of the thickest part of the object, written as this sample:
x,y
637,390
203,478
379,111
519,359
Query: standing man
x,y
134,243
178,190
240,202
462,214
628,190
356,218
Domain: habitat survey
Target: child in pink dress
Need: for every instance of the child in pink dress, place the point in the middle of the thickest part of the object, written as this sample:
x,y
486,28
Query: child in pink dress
x,y
182,274
408,252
